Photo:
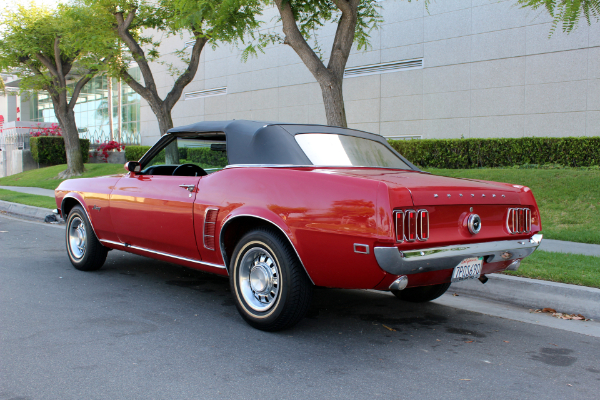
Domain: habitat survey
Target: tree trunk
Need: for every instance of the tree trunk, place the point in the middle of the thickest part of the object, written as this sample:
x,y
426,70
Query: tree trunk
x,y
333,99
71,138
165,122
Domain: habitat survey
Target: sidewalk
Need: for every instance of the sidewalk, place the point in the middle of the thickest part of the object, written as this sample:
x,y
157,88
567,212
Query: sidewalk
x,y
30,190
560,246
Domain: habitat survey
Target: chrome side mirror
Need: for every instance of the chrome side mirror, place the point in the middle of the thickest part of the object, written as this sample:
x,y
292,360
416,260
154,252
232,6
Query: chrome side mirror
x,y
133,166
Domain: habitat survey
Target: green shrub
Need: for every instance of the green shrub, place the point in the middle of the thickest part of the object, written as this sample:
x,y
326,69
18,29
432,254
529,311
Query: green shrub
x,y
502,152
205,156
183,153
134,153
50,150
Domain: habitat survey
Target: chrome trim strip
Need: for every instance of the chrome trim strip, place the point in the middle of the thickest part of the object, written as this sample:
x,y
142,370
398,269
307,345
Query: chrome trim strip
x,y
308,166
160,253
394,261
204,235
364,246
270,222
62,209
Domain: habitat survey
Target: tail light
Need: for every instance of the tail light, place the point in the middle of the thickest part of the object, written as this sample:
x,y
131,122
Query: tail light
x,y
422,225
399,222
518,220
411,225
410,221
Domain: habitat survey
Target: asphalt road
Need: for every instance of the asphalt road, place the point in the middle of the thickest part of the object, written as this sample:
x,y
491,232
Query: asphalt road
x,y
143,329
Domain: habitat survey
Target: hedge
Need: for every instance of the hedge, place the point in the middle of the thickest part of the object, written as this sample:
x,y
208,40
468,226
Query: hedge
x,y
199,155
134,153
50,150
484,153
204,155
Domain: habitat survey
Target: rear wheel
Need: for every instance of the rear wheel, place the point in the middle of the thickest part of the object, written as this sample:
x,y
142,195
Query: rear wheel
x,y
422,294
83,247
271,290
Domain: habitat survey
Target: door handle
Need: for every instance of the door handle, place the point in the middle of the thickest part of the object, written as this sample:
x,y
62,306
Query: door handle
x,y
188,187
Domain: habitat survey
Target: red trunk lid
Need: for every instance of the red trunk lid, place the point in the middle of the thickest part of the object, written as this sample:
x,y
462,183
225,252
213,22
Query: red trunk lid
x,y
434,190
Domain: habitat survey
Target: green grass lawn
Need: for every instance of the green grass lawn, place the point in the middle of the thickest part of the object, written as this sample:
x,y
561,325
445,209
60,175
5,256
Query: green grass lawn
x,y
47,178
561,267
569,199
28,199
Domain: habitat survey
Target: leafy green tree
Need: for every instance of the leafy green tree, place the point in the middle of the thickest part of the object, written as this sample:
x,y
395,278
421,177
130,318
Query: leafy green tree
x,y
55,51
206,21
568,13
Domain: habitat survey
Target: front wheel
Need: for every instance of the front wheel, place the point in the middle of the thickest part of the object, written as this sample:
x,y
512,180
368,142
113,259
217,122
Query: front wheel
x,y
271,290
83,247
422,294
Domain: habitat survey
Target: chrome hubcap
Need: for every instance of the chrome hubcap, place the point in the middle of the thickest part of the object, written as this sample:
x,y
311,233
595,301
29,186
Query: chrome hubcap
x,y
259,279
77,238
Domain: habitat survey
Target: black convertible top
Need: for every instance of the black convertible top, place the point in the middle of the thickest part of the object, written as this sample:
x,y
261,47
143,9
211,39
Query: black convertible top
x,y
260,142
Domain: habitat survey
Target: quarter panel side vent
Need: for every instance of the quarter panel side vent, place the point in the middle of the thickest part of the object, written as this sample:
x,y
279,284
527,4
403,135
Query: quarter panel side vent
x,y
210,225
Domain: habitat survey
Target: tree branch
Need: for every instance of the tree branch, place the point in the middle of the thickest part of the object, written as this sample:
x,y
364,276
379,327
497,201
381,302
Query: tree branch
x,y
294,38
343,5
123,25
135,85
58,62
188,75
344,36
47,63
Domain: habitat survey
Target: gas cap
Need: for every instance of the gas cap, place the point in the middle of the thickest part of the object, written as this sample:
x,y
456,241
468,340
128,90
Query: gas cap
x,y
474,224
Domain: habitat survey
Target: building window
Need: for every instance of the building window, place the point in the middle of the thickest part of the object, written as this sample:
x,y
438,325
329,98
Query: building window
x,y
91,110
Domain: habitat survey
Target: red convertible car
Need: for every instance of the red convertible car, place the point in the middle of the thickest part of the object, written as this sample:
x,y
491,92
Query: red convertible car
x,y
280,208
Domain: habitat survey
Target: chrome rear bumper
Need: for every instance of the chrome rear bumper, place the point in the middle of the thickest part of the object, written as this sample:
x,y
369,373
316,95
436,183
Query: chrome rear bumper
x,y
397,262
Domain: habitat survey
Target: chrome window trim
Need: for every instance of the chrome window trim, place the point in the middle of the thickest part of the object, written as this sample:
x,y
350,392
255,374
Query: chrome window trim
x,y
310,166
204,235
160,253
225,222
405,262
396,220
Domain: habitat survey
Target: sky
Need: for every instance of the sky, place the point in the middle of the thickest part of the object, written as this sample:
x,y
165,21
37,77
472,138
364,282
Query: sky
x,y
5,4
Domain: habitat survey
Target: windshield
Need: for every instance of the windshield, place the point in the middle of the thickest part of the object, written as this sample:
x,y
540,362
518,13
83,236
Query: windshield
x,y
343,150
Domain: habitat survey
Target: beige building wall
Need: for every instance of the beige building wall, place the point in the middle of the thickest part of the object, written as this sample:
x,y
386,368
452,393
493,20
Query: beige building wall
x,y
490,69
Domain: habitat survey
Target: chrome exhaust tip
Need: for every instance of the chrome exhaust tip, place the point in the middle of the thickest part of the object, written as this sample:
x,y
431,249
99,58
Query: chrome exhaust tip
x,y
400,283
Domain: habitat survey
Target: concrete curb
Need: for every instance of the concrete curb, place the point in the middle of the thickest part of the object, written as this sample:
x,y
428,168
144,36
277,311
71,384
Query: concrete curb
x,y
534,293
38,213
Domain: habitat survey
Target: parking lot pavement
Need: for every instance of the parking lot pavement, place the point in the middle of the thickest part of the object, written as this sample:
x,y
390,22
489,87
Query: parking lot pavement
x,y
144,329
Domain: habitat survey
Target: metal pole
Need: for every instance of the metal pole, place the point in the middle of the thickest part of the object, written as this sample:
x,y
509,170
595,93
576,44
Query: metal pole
x,y
110,109
120,110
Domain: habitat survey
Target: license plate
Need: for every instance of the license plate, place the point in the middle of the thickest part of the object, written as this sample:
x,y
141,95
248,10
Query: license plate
x,y
469,268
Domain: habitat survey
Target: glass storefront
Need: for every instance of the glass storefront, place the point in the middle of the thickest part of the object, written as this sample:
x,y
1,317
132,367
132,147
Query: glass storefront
x,y
91,110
